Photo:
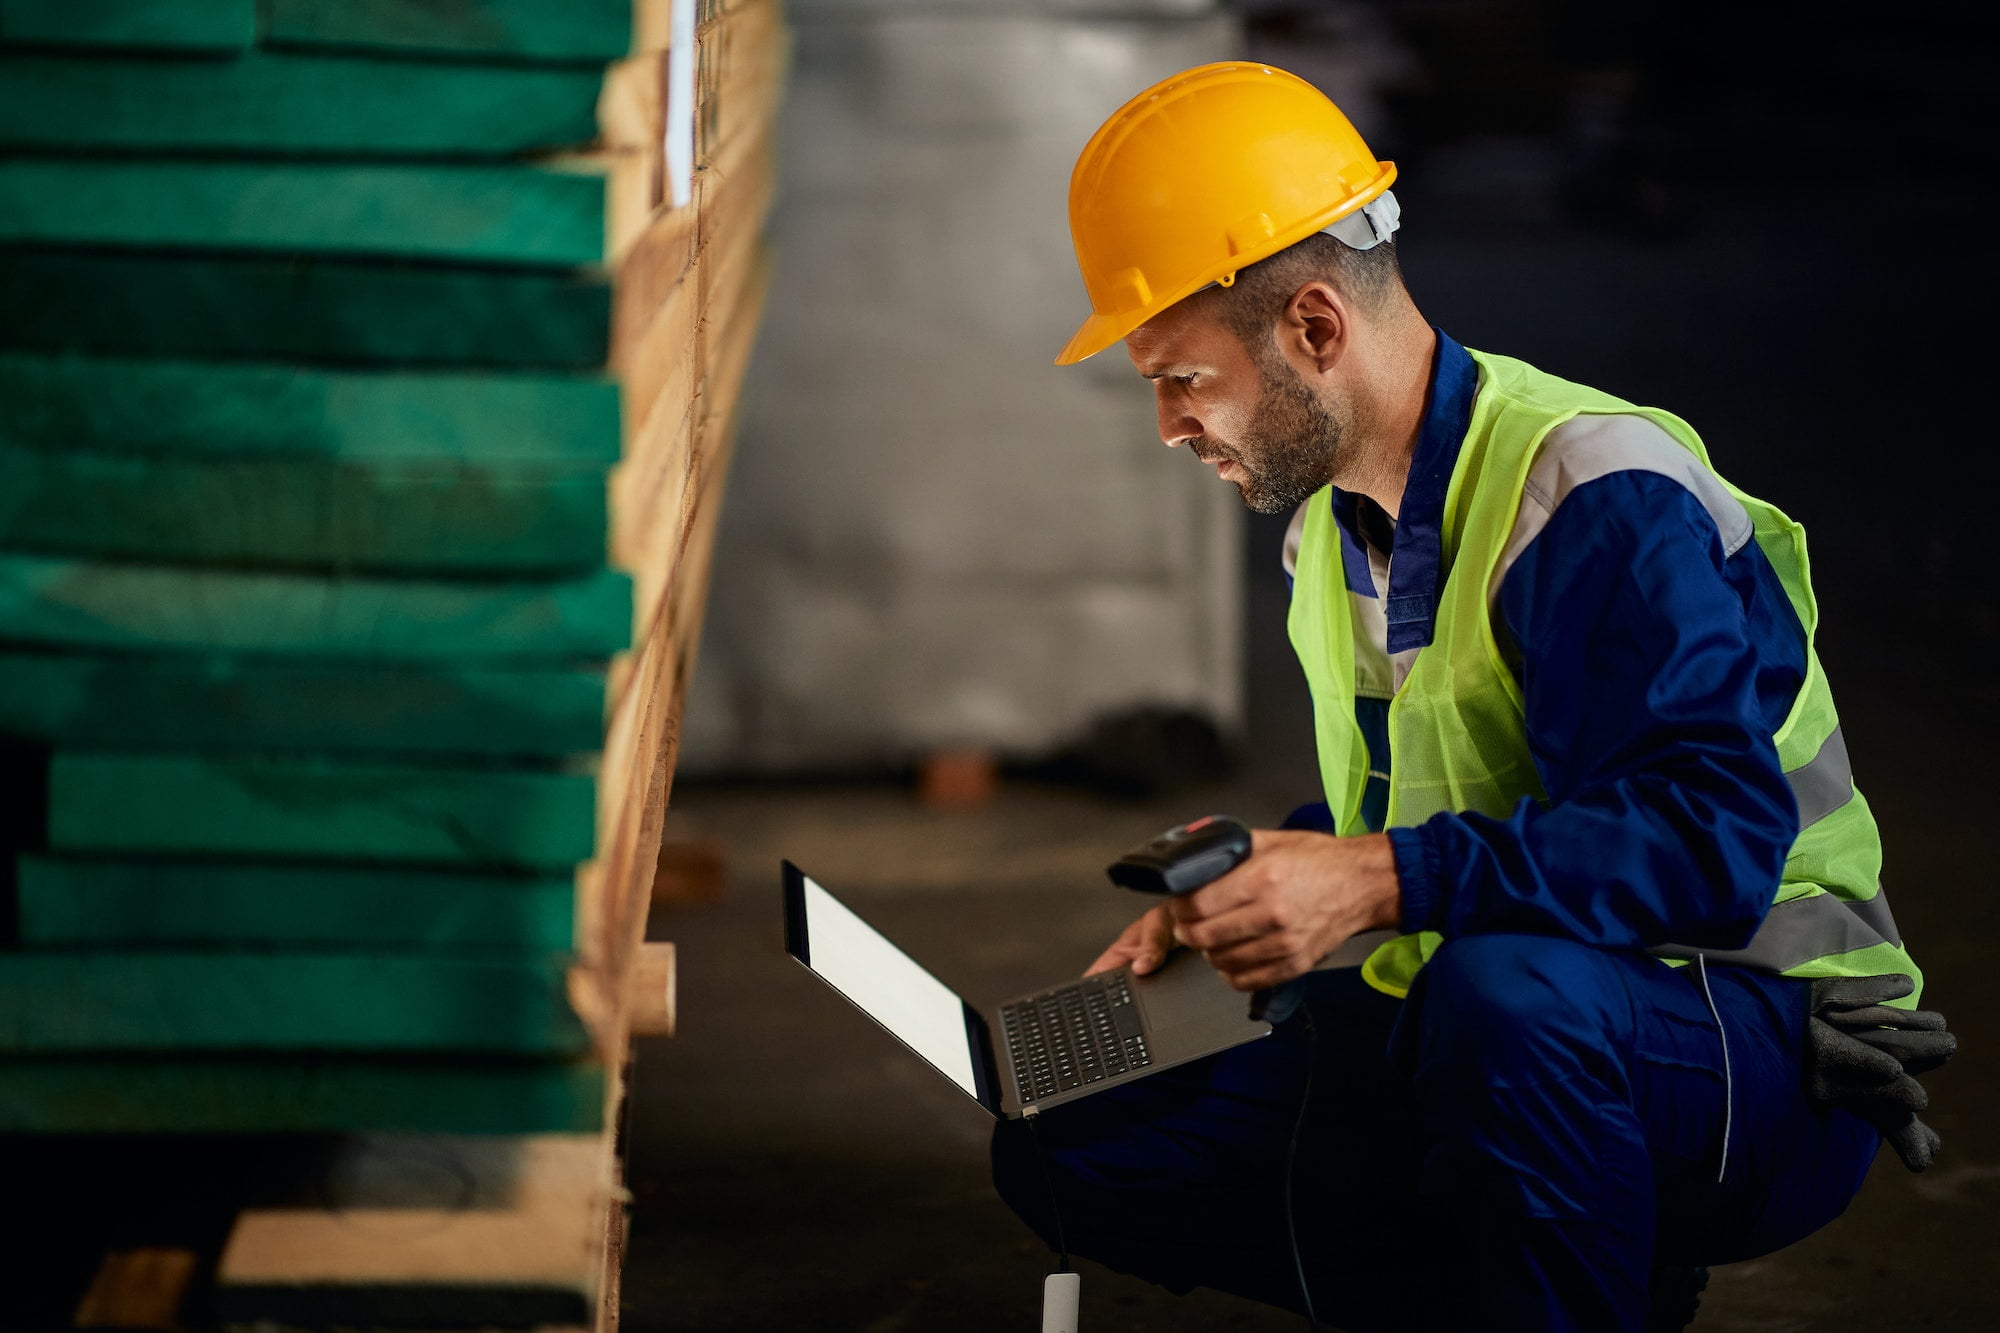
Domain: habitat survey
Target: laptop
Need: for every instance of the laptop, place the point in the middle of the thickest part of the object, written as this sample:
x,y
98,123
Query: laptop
x,y
1049,1046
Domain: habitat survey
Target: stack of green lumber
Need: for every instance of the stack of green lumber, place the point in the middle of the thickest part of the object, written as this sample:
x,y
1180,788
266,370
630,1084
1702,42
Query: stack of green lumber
x,y
306,595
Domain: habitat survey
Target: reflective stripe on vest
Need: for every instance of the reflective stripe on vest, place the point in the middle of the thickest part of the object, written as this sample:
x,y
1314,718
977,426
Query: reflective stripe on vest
x,y
1799,930
1826,782
1458,739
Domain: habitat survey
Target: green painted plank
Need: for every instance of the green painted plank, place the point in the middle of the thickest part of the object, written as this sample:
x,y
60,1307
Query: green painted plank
x,y
112,804
257,1095
224,409
282,102
401,517
156,1001
109,903
177,25
317,309
91,604
285,1001
202,703
571,30
489,214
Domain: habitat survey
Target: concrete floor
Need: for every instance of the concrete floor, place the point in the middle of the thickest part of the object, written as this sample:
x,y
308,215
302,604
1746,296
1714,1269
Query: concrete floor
x,y
794,1168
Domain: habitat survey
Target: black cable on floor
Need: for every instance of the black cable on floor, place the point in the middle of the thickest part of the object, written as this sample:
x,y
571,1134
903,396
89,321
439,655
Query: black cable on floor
x,y
1291,1160
1055,1207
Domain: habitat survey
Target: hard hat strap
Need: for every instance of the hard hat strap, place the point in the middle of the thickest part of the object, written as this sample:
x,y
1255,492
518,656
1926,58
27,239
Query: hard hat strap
x,y
1375,223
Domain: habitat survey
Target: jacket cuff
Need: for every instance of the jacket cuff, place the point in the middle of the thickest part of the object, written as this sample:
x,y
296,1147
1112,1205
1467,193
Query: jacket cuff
x,y
1417,864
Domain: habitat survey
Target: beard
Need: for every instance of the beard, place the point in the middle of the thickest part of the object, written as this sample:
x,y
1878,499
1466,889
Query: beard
x,y
1291,446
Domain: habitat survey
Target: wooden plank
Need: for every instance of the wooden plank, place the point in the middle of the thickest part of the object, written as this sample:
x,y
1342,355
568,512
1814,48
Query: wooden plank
x,y
66,903
470,213
655,990
142,1288
111,804
224,409
635,774
160,1001
631,121
98,605
637,771
740,61
651,19
314,309
658,358
262,1094
650,487
293,103
430,1232
655,489
204,703
186,25
588,31
384,517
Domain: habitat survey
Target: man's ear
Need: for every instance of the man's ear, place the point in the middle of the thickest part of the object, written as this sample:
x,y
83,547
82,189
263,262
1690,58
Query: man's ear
x,y
1314,327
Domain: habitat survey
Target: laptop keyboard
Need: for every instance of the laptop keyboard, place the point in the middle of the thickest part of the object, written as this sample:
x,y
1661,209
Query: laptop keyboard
x,y
1074,1035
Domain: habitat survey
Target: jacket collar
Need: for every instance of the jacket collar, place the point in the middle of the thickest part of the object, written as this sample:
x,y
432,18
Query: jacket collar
x,y
1416,565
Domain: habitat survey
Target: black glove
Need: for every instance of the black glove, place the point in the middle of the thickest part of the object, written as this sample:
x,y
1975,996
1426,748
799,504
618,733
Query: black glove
x,y
1863,1056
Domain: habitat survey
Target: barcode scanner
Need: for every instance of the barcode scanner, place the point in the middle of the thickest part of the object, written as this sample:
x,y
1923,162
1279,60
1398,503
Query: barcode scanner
x,y
1183,859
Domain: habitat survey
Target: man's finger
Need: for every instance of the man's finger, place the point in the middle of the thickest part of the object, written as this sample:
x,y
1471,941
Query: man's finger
x,y
1219,932
1929,1049
1250,953
1855,992
1227,894
1881,1016
1113,957
1263,976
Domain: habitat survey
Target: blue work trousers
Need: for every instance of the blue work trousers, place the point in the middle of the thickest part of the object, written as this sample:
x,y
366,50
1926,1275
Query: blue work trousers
x,y
1520,1144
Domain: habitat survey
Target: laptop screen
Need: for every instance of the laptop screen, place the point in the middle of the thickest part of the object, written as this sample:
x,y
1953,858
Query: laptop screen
x,y
885,983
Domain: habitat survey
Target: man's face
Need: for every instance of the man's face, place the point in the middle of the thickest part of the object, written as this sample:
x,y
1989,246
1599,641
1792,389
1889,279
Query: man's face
x,y
1249,416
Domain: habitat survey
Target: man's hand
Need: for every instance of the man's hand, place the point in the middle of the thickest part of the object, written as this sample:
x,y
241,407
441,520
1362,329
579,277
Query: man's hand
x,y
1297,899
1144,945
1864,1056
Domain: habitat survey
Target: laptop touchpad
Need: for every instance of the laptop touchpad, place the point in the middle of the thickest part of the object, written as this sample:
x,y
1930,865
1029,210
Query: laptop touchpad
x,y
1187,992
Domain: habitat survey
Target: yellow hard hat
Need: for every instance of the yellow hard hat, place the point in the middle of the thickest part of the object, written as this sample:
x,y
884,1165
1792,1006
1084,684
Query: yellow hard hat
x,y
1201,175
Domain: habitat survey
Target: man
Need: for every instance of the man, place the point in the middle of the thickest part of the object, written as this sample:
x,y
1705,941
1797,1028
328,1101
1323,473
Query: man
x,y
1645,1008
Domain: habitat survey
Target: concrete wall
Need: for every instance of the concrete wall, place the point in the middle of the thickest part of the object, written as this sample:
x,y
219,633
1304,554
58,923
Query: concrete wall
x,y
933,537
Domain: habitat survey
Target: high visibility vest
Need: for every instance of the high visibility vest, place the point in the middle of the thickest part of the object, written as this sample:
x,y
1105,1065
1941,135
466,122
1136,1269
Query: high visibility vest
x,y
1457,734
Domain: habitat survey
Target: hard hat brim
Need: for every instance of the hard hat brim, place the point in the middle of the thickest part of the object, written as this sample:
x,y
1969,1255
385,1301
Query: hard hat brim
x,y
1099,332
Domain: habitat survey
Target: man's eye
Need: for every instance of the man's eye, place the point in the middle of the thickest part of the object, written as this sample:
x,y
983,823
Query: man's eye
x,y
1185,381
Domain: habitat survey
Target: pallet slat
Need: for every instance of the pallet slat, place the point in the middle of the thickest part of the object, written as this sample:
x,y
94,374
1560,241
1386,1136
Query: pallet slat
x,y
573,30
319,309
474,214
429,1232
300,1095
107,904
409,518
100,605
305,809
185,25
223,409
292,103
205,703
154,1001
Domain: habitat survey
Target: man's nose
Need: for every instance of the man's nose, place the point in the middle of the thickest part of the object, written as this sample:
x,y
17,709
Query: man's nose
x,y
1176,427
